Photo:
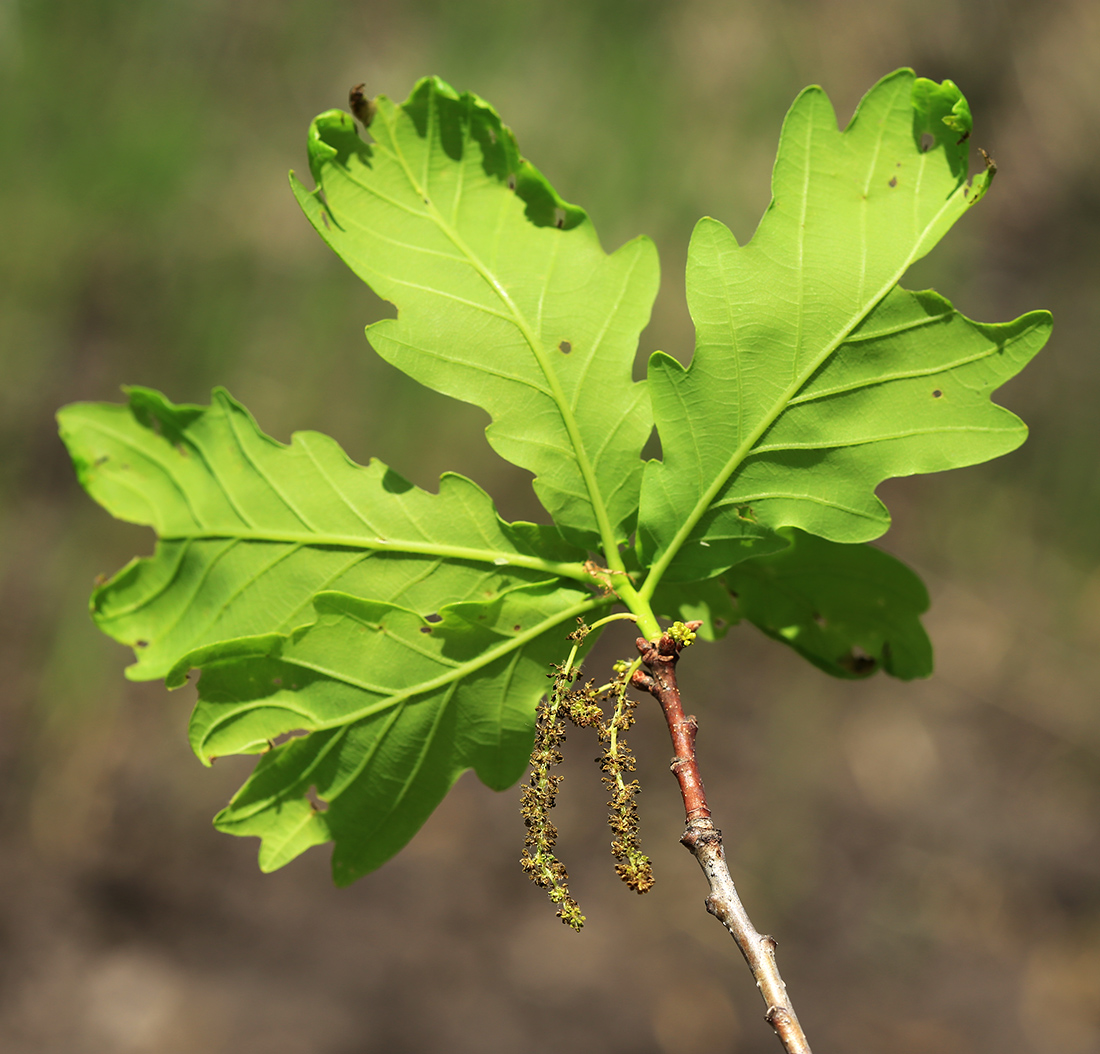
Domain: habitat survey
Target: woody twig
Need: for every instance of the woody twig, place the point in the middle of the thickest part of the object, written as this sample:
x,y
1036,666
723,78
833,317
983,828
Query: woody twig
x,y
704,839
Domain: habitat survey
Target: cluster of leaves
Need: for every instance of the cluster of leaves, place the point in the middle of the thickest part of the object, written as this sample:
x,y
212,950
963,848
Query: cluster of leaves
x,y
371,640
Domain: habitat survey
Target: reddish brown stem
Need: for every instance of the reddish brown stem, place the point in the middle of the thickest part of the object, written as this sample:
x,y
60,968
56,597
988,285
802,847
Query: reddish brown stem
x,y
704,841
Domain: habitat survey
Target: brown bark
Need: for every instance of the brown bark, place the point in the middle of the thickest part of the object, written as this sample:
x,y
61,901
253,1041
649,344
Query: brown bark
x,y
704,841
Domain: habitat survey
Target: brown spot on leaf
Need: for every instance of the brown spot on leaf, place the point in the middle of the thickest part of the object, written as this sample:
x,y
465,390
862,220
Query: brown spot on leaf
x,y
857,661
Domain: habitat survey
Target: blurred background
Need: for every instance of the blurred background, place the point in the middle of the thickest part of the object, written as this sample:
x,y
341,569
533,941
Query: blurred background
x,y
928,854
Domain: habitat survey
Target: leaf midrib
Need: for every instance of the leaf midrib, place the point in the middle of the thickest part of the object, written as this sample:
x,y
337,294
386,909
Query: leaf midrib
x,y
607,536
737,458
423,688
496,557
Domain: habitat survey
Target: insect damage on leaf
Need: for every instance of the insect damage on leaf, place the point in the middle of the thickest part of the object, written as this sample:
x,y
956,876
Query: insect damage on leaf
x,y
810,360
491,271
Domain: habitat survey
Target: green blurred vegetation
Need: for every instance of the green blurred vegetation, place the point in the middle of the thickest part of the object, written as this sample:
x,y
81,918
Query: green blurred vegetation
x,y
148,236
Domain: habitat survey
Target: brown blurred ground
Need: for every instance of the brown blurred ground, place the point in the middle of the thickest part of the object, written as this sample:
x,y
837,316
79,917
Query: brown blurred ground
x,y
928,854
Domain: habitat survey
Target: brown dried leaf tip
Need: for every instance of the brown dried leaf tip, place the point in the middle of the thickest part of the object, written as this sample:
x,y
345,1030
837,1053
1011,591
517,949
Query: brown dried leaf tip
x,y
363,107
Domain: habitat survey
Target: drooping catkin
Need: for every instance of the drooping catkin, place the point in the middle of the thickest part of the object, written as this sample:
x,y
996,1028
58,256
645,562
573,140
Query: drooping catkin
x,y
540,793
580,705
632,865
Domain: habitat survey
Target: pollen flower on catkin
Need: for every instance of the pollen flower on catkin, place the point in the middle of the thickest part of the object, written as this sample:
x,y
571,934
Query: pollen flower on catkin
x,y
540,793
632,865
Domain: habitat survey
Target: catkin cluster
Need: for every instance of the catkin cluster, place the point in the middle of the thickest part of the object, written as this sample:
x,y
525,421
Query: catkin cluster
x,y
580,705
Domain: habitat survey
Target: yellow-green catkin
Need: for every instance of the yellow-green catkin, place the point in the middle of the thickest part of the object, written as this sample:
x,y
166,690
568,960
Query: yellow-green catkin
x,y
580,705
632,865
540,794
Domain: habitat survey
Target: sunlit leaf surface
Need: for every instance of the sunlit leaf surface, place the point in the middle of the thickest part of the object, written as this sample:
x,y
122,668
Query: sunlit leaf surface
x,y
815,376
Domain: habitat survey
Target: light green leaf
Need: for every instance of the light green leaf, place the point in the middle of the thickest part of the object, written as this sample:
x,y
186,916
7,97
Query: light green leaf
x,y
390,709
505,298
849,609
250,529
815,377
708,601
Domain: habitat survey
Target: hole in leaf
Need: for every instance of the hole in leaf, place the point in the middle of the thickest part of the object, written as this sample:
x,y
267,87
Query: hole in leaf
x,y
565,347
820,620
516,628
316,801
512,181
559,217
277,681
719,623
425,629
141,644
492,136
285,737
857,661
927,141
394,483
101,460
894,181
434,617
936,394
324,220
652,449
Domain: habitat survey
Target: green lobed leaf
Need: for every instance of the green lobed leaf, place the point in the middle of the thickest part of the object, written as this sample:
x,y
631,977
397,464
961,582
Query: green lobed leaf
x,y
405,635
849,609
815,376
389,708
250,529
505,298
